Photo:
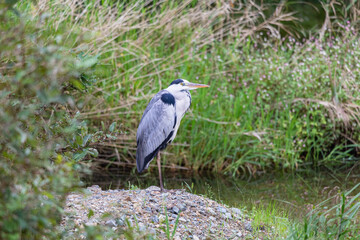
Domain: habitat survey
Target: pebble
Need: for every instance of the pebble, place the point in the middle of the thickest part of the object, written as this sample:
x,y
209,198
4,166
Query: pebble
x,y
228,215
175,210
211,211
91,223
153,188
248,226
182,207
121,221
222,209
162,218
142,227
154,219
196,237
111,223
236,211
152,231
165,195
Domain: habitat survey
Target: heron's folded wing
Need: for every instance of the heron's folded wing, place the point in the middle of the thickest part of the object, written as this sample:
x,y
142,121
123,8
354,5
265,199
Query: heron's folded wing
x,y
155,130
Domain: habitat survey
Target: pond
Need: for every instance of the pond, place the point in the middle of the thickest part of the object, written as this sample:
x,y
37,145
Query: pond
x,y
294,193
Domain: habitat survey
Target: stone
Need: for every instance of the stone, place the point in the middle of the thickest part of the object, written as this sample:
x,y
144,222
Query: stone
x,y
162,218
211,211
203,212
236,211
177,236
142,227
175,210
239,234
92,223
196,237
153,188
154,219
182,207
111,223
152,231
153,200
228,215
121,221
221,209
165,194
248,227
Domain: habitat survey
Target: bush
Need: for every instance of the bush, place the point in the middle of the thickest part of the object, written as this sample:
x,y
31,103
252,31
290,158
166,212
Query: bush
x,y
36,166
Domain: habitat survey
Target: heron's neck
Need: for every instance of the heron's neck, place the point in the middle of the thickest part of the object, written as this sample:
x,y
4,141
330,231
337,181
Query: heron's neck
x,y
180,95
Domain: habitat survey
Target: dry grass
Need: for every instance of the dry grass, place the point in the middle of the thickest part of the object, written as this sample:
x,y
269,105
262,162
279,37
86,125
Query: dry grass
x,y
143,45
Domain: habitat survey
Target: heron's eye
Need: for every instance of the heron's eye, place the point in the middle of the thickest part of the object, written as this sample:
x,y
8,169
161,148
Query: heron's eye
x,y
182,84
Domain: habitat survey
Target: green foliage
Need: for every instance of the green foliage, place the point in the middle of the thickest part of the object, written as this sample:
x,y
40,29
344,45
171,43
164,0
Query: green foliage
x,y
38,130
332,221
270,218
274,103
170,235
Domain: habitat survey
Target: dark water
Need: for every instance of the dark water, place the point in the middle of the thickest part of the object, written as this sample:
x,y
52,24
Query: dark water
x,y
293,193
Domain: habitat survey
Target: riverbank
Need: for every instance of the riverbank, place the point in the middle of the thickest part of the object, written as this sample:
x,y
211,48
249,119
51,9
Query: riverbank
x,y
148,212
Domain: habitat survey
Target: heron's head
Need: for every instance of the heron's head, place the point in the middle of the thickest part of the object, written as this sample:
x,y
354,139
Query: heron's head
x,y
182,84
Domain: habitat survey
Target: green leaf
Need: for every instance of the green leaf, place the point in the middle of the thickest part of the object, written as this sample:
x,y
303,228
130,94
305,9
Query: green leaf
x,y
87,63
81,155
90,213
77,84
93,152
112,127
86,139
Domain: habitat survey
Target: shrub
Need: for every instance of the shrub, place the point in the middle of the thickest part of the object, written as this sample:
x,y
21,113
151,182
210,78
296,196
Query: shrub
x,y
36,167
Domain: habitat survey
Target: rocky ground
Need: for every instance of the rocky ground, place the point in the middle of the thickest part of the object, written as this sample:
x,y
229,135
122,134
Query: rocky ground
x,y
153,213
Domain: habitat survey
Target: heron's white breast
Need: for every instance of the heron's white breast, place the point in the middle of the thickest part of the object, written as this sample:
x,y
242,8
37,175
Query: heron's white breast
x,y
182,104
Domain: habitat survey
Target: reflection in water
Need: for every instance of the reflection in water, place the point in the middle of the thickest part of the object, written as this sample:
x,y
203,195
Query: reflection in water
x,y
294,193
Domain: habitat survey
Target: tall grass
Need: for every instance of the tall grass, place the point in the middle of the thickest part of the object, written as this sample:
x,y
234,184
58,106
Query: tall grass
x,y
274,102
335,218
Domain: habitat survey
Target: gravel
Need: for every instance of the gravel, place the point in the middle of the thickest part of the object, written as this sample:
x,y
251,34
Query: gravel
x,y
198,217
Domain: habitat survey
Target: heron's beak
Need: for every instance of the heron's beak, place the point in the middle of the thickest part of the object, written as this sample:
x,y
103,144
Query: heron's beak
x,y
197,85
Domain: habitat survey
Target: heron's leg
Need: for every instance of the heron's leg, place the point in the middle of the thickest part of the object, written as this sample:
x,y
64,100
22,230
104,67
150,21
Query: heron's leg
x,y
160,177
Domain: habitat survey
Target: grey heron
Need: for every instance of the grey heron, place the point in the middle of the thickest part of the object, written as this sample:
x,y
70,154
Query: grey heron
x,y
160,122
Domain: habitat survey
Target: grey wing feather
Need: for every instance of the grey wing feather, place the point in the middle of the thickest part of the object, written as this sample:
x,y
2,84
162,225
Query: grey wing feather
x,y
155,129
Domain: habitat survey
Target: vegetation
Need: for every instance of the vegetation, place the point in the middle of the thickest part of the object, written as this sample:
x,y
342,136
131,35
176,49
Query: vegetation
x,y
280,98
275,102
42,143
335,218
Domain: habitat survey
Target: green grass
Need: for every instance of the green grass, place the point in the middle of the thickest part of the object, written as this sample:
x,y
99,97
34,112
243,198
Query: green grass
x,y
273,104
271,220
283,105
335,218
